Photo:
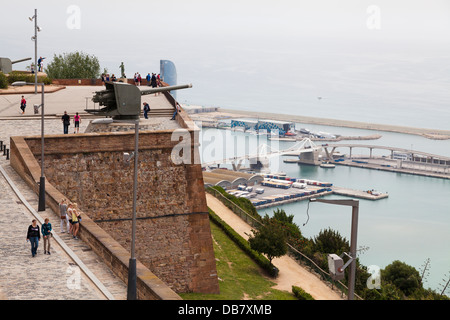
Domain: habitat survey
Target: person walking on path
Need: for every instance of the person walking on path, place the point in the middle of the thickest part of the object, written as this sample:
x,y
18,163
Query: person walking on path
x,y
33,235
47,234
75,222
66,122
76,123
23,104
63,216
146,110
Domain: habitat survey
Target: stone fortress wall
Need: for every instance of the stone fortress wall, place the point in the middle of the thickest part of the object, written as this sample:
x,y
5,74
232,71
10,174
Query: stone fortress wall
x,y
173,237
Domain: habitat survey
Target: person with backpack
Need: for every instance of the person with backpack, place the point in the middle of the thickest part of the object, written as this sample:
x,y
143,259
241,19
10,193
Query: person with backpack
x,y
146,110
66,122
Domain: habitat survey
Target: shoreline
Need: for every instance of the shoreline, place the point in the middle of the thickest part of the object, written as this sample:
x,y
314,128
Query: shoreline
x,y
435,134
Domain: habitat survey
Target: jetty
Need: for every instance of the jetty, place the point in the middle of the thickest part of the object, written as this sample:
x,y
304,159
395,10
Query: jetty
x,y
368,195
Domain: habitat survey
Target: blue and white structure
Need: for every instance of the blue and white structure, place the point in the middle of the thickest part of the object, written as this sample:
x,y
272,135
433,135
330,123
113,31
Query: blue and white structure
x,y
168,74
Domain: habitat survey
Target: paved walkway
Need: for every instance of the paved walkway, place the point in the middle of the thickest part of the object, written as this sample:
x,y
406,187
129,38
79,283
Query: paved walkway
x,y
291,273
55,276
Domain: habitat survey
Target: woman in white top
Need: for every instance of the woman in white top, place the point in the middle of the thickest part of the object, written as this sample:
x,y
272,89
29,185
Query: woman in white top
x,y
63,216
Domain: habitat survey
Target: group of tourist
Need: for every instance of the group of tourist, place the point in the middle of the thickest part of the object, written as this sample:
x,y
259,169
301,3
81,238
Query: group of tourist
x,y
34,235
107,77
153,80
70,217
70,221
66,122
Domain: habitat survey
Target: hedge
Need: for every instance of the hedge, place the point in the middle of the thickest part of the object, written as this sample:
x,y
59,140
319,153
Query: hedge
x,y
301,294
19,76
3,81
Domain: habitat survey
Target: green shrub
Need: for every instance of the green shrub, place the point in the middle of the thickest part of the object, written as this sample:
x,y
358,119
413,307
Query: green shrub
x,y
3,81
27,77
301,294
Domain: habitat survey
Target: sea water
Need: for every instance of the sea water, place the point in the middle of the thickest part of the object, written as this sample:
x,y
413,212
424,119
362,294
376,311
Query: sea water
x,y
411,225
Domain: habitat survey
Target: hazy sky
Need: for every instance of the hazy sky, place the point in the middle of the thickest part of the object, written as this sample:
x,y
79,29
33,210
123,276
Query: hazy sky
x,y
320,47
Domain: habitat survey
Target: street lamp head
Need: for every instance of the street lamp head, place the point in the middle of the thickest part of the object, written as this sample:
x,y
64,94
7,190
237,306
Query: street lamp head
x,y
39,28
31,18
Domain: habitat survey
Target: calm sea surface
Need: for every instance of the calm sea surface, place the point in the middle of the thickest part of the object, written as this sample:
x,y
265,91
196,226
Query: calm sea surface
x,y
411,225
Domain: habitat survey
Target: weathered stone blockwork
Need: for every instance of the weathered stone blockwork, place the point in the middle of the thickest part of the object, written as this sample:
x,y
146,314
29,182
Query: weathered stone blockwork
x,y
173,235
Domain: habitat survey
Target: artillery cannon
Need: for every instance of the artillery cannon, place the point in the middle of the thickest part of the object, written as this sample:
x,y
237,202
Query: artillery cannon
x,y
123,101
6,64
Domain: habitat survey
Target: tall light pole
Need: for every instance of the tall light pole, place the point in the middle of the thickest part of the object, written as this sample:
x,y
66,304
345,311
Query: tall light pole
x,y
41,206
132,273
354,234
36,29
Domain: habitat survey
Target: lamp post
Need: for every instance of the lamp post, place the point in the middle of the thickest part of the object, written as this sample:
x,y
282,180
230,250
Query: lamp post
x,y
354,234
132,272
34,38
41,205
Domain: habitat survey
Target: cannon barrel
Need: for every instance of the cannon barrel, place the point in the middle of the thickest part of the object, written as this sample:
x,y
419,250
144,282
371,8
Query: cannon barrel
x,y
163,89
21,60
123,101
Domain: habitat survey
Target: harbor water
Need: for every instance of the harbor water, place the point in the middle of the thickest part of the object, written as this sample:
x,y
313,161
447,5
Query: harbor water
x,y
411,225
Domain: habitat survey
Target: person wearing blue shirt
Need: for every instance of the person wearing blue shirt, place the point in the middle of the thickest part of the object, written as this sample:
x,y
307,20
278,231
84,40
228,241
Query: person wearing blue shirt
x,y
47,234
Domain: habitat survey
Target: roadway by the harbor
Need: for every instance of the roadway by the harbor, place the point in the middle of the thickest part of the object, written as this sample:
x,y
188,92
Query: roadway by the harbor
x,y
427,132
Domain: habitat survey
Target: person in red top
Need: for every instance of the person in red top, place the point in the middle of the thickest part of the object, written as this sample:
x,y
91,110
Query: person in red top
x,y
23,104
76,122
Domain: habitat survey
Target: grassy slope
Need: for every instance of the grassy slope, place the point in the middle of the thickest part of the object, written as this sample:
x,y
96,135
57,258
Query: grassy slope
x,y
239,277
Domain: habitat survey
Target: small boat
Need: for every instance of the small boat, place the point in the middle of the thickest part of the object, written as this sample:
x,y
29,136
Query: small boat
x,y
326,164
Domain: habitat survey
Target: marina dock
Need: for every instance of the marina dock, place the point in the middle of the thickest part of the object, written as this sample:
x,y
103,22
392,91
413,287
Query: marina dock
x,y
276,190
368,195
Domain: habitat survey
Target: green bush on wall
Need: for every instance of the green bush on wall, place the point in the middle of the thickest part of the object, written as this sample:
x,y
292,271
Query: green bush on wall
x,y
301,294
15,76
3,81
